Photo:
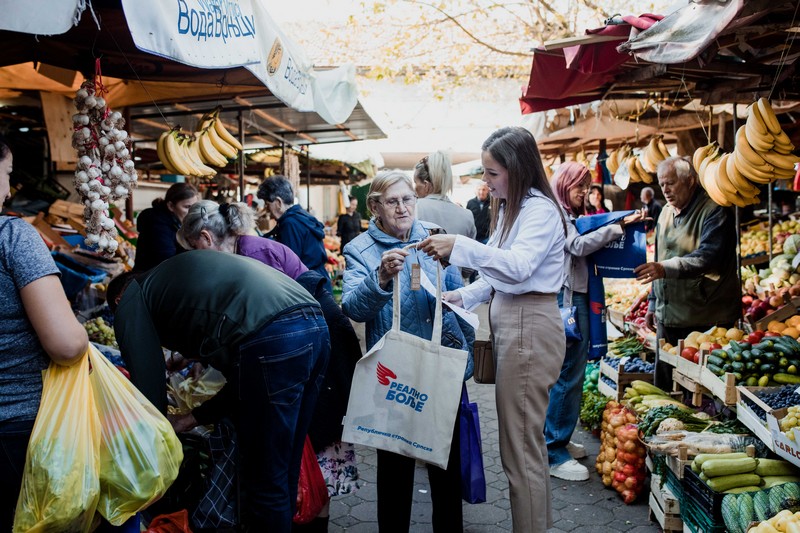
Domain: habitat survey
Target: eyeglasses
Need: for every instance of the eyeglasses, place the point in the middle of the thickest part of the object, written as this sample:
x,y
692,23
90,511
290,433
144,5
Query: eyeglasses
x,y
394,203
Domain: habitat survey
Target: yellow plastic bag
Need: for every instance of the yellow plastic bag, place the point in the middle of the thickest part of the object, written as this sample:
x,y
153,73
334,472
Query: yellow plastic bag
x,y
139,452
192,392
60,485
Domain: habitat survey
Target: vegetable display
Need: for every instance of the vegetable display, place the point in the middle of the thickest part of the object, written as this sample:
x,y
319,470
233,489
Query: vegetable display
x,y
777,504
773,359
105,171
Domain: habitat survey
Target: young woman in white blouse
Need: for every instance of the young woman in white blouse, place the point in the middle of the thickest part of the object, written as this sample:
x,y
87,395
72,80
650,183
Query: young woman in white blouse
x,y
521,269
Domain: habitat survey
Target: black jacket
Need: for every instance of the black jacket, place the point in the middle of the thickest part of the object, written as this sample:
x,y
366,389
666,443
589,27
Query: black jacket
x,y
157,227
483,217
326,423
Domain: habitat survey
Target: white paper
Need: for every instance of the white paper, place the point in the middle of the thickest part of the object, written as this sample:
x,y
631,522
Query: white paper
x,y
468,316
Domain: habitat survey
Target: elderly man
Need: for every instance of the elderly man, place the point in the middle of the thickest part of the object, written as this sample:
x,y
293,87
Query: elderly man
x,y
349,225
695,285
647,196
481,212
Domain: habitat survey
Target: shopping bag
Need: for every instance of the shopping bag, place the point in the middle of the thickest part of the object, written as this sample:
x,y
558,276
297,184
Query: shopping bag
x,y
620,257
139,451
60,483
405,392
598,333
473,479
177,522
312,492
191,392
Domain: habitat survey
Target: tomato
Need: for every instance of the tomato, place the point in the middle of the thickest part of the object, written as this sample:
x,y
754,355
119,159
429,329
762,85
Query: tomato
x,y
689,353
696,358
772,334
715,346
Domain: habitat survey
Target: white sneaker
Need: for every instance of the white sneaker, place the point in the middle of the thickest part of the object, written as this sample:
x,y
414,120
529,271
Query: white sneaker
x,y
572,470
576,451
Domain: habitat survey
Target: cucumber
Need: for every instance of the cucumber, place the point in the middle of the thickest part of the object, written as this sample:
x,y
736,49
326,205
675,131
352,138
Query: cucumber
x,y
775,498
722,354
764,345
717,371
792,490
776,467
791,379
747,511
761,505
728,467
737,367
723,483
763,381
714,360
730,513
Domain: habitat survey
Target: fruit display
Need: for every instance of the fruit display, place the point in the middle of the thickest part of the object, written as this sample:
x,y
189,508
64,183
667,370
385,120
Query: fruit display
x,y
622,293
194,154
780,398
643,397
100,332
636,315
624,347
105,172
790,421
713,338
774,359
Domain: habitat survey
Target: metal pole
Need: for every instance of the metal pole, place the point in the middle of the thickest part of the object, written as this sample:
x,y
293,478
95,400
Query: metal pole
x,y
738,222
241,157
769,217
308,180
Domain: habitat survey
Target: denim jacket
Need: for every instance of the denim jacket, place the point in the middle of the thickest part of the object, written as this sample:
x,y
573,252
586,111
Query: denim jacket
x,y
363,300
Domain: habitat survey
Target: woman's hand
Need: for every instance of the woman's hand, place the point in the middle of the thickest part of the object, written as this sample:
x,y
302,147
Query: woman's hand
x,y
453,297
637,216
392,262
438,246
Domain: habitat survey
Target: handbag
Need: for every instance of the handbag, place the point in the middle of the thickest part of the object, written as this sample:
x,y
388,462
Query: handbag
x,y
405,392
473,479
568,311
312,492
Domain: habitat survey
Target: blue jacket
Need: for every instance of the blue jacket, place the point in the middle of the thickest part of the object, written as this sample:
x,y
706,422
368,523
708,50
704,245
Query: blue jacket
x,y
303,234
363,300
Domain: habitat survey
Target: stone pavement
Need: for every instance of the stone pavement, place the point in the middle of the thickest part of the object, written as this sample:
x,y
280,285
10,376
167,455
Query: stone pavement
x,y
585,506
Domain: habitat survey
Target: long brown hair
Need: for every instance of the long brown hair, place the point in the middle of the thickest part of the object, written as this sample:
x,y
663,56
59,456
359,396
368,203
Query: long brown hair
x,y
515,149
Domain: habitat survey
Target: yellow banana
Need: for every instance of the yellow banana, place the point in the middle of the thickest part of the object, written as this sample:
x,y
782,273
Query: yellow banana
x,y
756,131
739,182
768,116
184,143
700,154
723,181
611,162
210,154
701,172
176,155
756,174
710,184
634,173
780,161
783,145
193,150
645,176
663,149
162,155
228,151
746,150
225,135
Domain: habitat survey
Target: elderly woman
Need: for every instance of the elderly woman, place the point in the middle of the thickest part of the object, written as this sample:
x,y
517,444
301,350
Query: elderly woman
x,y
433,182
571,182
374,258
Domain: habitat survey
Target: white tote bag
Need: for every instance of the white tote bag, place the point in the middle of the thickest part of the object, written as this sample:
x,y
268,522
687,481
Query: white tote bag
x,y
406,391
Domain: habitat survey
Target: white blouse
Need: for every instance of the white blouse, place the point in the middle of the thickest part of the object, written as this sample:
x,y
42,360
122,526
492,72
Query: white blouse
x,y
530,260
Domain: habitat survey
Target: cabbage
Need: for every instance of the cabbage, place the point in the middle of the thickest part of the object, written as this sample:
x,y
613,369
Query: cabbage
x,y
790,244
778,260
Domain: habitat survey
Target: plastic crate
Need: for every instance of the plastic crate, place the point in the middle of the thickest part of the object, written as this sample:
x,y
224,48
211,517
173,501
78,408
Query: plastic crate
x,y
702,497
673,483
697,521
76,276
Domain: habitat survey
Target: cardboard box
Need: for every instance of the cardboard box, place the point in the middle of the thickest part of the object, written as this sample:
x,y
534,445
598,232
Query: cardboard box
x,y
782,445
749,418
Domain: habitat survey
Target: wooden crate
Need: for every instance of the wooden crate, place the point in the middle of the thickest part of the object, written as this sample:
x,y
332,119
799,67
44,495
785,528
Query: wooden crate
x,y
687,368
665,508
621,378
780,314
751,421
666,357
723,387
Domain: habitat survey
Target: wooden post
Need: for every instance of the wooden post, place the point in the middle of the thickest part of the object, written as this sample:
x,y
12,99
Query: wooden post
x,y
241,157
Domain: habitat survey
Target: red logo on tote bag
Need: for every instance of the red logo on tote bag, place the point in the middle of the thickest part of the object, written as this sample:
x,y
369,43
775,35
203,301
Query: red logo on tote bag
x,y
384,374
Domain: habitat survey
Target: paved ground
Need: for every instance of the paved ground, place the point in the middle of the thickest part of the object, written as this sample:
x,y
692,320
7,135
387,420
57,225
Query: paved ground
x,y
578,506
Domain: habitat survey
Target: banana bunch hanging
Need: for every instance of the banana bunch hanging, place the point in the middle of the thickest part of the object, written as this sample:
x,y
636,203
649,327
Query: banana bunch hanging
x,y
763,151
617,157
763,154
194,154
721,178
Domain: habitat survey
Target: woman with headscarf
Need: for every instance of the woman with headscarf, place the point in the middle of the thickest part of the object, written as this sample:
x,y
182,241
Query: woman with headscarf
x,y
571,183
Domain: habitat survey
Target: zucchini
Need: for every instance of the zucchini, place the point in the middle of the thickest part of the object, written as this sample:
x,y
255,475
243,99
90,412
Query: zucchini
x,y
775,499
728,467
791,379
730,513
761,505
792,490
776,467
703,457
747,512
772,481
723,483
739,490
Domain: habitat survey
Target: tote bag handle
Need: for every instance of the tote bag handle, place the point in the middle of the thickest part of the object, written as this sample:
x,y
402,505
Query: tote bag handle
x,y
436,337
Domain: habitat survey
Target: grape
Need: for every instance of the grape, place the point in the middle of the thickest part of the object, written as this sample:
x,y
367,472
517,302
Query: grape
x,y
100,332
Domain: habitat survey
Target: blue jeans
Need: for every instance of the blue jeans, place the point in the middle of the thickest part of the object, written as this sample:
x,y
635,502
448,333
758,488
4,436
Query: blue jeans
x,y
565,396
281,368
14,437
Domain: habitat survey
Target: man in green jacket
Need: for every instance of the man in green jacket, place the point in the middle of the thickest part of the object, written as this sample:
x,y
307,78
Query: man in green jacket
x,y
694,279
258,327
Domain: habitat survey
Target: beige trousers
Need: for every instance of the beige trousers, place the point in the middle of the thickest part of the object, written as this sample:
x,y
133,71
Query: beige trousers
x,y
529,346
